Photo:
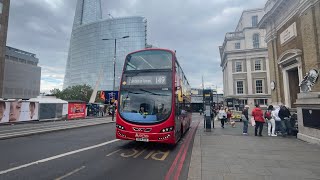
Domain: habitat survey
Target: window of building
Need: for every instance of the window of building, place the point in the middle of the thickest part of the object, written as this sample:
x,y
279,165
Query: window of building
x,y
259,86
255,40
238,66
254,21
240,87
1,7
261,101
257,65
243,101
237,45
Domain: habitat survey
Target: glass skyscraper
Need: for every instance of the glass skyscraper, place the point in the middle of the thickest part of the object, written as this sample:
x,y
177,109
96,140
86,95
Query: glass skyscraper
x,y
89,56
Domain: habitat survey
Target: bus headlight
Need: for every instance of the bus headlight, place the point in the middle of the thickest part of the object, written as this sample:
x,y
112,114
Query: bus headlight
x,y
168,129
119,127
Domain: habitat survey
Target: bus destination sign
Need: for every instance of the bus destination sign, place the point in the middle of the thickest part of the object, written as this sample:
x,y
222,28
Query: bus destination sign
x,y
146,80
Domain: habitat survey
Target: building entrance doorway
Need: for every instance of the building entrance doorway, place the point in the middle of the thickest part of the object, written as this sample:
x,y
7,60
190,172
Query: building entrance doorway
x,y
290,63
294,89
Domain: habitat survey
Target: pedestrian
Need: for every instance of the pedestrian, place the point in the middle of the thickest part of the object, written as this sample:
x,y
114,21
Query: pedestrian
x,y
285,116
245,120
259,120
270,120
200,112
275,116
229,114
112,111
222,115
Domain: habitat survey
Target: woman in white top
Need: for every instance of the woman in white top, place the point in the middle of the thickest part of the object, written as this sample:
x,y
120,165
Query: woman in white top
x,y
270,120
275,116
222,115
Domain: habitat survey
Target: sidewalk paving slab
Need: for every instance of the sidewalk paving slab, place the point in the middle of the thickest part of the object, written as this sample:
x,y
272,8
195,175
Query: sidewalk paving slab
x,y
226,154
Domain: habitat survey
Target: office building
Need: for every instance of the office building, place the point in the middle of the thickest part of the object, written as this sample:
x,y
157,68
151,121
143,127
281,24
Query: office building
x,y
4,16
90,57
22,75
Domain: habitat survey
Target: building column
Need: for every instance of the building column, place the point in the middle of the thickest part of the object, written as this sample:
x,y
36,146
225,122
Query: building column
x,y
300,69
249,76
225,84
230,78
276,68
286,89
268,76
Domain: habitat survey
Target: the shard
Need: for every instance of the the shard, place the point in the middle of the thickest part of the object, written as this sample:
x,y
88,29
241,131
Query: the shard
x,y
89,55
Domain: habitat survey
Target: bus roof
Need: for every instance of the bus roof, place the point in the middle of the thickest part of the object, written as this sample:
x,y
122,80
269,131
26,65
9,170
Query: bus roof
x,y
147,49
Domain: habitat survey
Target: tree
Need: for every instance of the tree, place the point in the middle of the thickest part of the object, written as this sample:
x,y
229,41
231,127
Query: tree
x,y
78,92
55,92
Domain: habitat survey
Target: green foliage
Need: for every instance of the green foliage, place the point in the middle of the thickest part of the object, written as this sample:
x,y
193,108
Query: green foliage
x,y
78,92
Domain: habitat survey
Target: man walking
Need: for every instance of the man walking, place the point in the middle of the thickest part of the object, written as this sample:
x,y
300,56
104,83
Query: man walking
x,y
112,111
245,119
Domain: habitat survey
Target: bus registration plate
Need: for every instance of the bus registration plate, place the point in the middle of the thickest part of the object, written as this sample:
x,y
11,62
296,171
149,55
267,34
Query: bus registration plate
x,y
142,139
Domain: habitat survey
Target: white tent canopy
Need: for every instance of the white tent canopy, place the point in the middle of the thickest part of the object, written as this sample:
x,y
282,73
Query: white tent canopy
x,y
49,100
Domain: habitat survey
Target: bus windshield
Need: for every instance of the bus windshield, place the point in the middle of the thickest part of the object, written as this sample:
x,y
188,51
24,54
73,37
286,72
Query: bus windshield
x,y
145,105
146,60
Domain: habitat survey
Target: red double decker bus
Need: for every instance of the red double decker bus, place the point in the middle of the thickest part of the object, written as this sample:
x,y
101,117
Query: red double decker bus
x,y
154,98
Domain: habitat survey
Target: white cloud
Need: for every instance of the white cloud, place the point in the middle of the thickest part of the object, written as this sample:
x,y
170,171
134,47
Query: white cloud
x,y
40,27
47,86
53,5
226,16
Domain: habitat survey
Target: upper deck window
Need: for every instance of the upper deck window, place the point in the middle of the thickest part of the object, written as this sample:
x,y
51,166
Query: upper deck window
x,y
146,60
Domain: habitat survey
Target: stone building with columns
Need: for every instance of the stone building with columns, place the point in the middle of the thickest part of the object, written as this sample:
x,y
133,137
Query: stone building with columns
x,y
292,31
293,39
245,64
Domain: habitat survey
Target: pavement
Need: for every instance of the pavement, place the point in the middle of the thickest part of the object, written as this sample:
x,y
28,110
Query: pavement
x,y
38,127
226,154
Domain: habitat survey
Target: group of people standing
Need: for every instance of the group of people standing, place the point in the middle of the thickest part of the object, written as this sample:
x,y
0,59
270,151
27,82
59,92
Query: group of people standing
x,y
278,119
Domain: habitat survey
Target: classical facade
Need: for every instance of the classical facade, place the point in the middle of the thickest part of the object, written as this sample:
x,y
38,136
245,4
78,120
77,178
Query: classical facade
x,y
292,29
292,34
90,57
245,63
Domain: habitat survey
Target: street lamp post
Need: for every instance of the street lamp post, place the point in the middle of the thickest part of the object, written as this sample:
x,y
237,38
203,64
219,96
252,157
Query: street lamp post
x,y
114,58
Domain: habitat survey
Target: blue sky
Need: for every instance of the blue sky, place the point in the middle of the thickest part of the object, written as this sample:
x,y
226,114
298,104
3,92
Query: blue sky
x,y
194,28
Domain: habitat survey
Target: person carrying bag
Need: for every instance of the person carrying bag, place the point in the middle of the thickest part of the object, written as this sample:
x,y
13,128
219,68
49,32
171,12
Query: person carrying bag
x,y
259,120
222,115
